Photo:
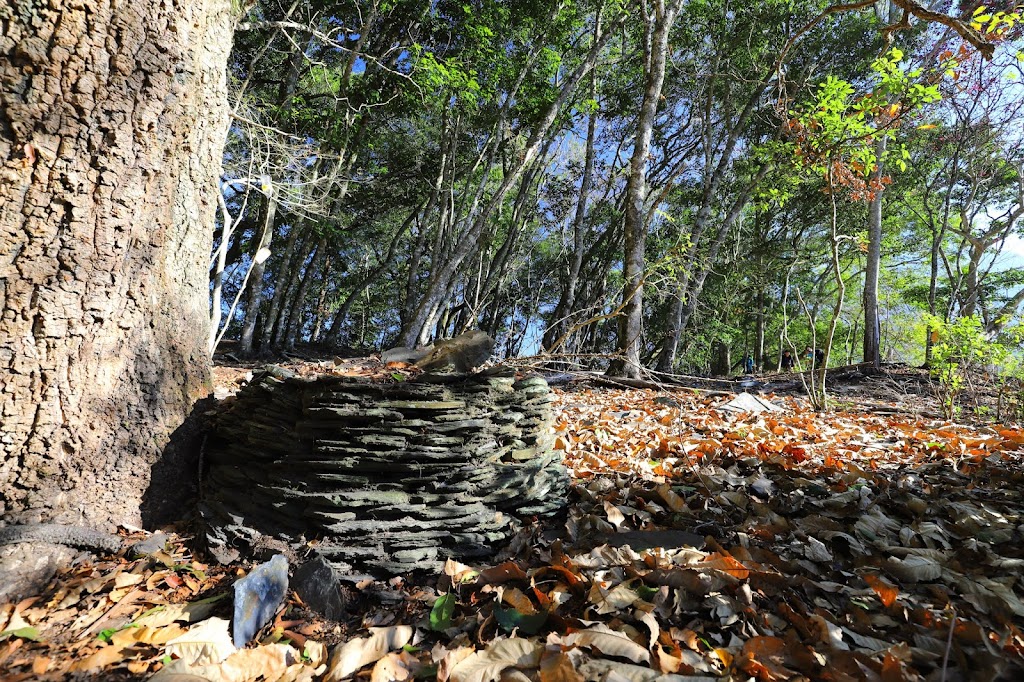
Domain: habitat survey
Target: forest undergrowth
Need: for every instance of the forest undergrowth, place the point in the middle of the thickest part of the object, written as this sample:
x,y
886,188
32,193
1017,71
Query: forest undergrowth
x,y
873,542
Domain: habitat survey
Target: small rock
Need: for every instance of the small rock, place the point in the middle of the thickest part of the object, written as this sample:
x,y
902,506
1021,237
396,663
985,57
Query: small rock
x,y
463,353
257,598
405,354
151,545
745,402
317,584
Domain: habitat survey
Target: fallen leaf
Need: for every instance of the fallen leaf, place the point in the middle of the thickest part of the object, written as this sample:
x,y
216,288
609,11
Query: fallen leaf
x,y
19,627
40,665
886,593
555,666
190,612
206,642
394,667
102,658
449,660
726,564
487,665
349,657
127,580
458,572
441,613
315,652
670,497
914,569
515,598
616,671
615,517
267,662
502,573
608,642
763,658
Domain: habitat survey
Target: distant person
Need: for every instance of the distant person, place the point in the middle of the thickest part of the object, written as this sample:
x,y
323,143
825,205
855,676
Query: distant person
x,y
808,355
787,361
746,363
819,358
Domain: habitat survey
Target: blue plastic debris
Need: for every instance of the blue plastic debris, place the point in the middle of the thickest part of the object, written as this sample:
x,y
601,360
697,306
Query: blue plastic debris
x,y
257,598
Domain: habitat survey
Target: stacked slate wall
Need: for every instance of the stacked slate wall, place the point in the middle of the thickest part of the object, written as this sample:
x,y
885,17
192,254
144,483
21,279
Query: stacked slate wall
x,y
384,477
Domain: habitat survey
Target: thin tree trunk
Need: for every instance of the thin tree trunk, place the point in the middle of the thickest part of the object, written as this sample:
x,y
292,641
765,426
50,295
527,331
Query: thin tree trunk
x,y
284,270
691,287
759,331
439,286
279,334
334,334
321,306
252,304
296,320
872,338
567,301
657,28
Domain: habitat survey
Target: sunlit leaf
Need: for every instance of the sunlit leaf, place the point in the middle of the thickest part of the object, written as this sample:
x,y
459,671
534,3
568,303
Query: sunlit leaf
x,y
886,593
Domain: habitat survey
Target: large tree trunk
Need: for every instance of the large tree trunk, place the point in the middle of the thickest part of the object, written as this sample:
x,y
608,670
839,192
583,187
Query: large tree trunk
x,y
112,123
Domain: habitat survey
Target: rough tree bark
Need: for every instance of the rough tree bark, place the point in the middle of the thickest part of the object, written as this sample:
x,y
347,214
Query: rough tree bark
x,y
112,122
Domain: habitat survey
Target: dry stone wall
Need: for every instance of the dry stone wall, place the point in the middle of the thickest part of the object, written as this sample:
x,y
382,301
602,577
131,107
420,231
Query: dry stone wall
x,y
386,477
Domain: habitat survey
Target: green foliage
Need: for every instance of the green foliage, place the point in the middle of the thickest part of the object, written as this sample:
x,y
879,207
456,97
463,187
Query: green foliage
x,y
964,351
442,612
834,135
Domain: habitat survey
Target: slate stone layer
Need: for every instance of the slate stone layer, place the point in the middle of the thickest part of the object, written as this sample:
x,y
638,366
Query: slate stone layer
x,y
386,478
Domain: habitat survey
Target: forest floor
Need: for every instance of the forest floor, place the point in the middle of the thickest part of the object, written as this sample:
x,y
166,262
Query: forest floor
x,y
874,542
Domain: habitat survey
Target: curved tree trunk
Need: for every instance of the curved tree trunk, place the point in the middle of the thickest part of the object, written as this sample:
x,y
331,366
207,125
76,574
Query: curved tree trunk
x,y
112,123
